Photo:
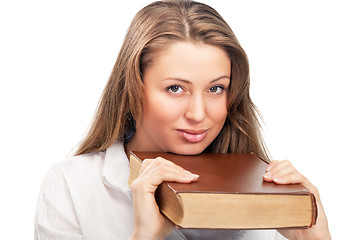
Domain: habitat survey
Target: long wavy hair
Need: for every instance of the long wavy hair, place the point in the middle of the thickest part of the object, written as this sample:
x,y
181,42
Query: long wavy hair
x,y
152,30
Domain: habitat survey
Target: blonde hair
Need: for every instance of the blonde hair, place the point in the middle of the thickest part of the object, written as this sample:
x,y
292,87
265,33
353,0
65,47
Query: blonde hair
x,y
152,30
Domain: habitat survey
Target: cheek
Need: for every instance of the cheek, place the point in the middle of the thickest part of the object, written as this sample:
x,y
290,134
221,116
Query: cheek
x,y
162,110
217,111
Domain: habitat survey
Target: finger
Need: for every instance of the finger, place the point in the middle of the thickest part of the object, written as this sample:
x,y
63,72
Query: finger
x,y
277,165
148,164
154,163
149,181
268,177
271,165
284,171
144,165
170,173
291,178
278,169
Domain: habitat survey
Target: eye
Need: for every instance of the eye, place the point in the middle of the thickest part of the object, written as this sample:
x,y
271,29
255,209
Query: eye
x,y
216,89
174,89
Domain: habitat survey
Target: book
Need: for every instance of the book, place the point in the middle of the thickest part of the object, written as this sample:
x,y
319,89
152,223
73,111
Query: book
x,y
229,194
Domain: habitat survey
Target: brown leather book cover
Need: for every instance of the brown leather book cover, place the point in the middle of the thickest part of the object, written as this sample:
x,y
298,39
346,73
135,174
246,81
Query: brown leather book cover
x,y
230,173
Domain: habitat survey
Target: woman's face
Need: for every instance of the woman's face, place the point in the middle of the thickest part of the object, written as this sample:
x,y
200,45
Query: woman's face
x,y
185,99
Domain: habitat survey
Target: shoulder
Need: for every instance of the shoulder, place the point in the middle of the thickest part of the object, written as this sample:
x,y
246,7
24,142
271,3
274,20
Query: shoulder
x,y
80,165
73,169
57,208
87,173
82,160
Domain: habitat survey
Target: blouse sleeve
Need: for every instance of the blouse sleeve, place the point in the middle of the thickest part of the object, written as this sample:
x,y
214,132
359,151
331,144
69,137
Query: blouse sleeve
x,y
55,214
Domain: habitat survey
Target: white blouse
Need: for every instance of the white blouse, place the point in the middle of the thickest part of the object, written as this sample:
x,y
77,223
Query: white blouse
x,y
87,197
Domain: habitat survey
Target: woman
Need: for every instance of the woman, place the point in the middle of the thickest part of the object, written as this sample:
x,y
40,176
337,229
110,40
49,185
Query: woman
x,y
180,84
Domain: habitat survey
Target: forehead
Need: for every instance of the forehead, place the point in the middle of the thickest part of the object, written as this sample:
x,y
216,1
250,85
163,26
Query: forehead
x,y
190,61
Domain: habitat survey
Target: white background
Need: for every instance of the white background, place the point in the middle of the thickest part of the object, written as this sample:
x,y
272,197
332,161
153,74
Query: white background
x,y
56,56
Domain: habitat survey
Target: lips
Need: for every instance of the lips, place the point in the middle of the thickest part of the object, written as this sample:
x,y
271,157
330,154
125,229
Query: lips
x,y
192,135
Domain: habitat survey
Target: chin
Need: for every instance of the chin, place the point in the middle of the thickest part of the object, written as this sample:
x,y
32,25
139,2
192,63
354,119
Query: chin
x,y
188,150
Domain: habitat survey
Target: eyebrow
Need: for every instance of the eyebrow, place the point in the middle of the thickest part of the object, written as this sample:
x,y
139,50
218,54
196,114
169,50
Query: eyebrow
x,y
187,81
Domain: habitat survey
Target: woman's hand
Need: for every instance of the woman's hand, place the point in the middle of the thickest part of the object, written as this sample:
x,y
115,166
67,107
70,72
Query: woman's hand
x,y
283,172
149,223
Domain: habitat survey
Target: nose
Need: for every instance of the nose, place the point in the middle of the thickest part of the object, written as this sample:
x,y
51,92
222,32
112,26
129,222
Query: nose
x,y
196,109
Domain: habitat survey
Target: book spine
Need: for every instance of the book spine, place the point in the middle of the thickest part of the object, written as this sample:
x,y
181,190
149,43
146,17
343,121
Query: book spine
x,y
315,210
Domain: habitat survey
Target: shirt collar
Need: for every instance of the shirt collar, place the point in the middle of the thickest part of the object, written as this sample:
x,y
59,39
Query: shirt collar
x,y
116,168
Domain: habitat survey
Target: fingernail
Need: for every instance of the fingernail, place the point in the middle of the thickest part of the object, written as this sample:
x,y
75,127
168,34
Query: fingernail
x,y
278,180
267,175
192,174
